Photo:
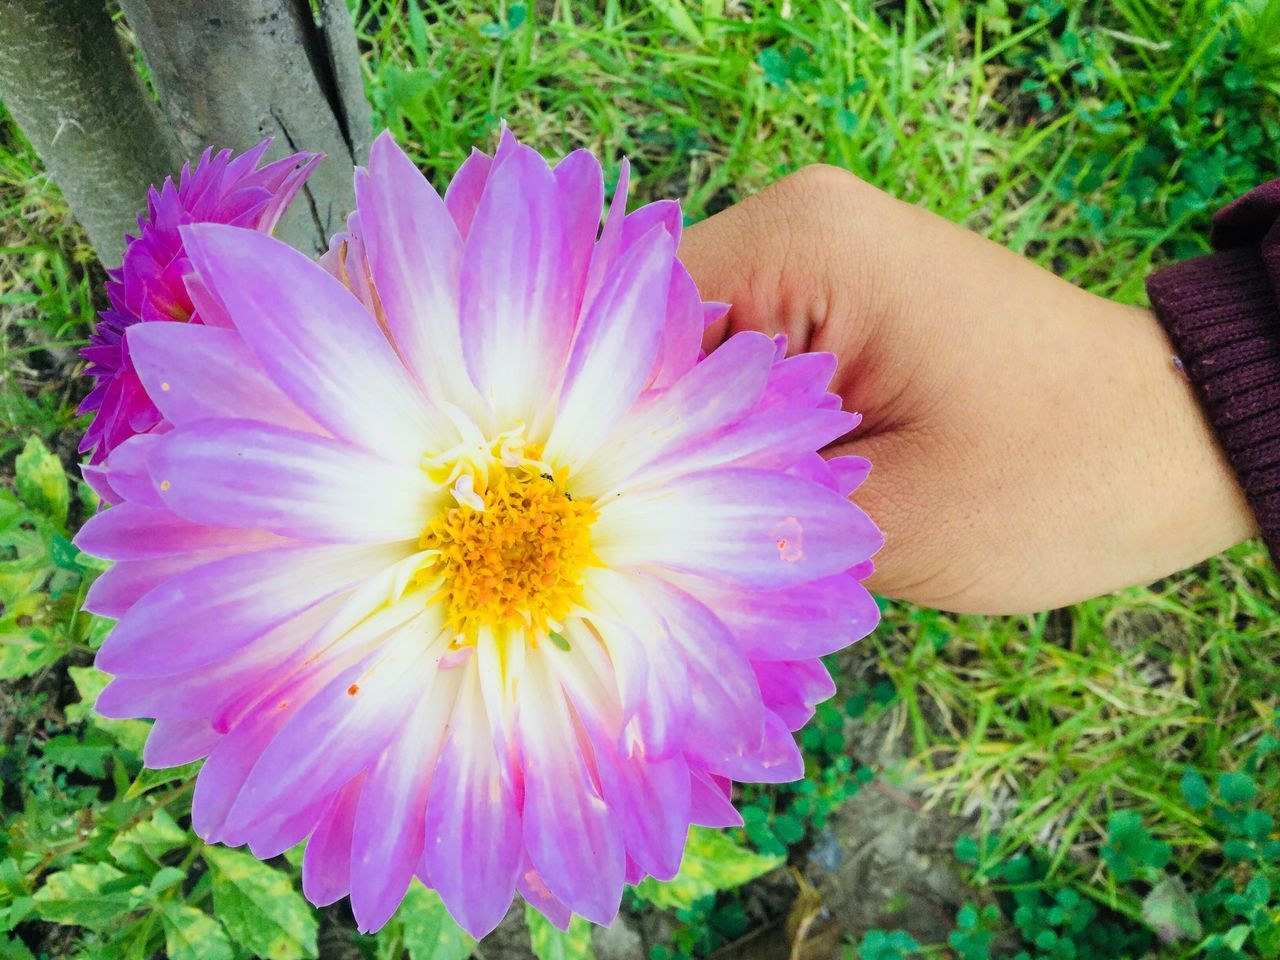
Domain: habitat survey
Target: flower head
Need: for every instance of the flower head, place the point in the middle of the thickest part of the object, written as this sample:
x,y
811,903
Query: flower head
x,y
460,560
150,284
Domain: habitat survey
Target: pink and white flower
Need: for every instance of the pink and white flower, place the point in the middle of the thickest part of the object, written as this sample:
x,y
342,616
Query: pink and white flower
x,y
460,560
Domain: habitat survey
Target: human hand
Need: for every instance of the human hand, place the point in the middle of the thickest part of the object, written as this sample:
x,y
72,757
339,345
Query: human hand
x,y
1032,444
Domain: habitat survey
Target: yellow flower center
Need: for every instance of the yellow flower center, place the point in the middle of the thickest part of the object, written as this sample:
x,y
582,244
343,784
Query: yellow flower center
x,y
511,553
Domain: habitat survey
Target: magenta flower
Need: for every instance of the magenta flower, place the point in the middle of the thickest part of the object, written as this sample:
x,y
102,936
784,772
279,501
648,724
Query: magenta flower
x,y
460,561
150,284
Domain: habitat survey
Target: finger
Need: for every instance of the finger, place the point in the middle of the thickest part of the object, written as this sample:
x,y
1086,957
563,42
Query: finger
x,y
781,257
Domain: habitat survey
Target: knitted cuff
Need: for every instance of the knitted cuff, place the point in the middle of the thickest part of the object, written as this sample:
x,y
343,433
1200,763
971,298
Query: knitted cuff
x,y
1221,313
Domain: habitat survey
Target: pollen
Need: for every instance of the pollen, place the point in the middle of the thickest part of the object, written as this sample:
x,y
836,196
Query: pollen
x,y
510,552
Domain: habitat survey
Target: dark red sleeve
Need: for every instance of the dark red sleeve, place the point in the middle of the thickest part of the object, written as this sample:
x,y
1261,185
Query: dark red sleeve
x,y
1221,313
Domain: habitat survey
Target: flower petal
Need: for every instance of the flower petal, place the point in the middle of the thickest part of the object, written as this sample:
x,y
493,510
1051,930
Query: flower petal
x,y
342,371
128,581
715,394
753,528
517,299
792,688
710,801
237,472
132,532
472,849
807,620
196,372
338,732
614,351
209,612
650,804
207,690
326,863
171,743
466,188
726,716
777,761
534,889
391,818
568,829
414,253
581,184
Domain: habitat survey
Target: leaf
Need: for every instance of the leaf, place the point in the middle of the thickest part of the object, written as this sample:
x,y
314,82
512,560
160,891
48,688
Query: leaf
x,y
1236,787
1258,824
142,845
25,652
140,940
149,779
429,932
550,943
87,895
15,950
1237,850
678,16
88,755
260,907
1195,790
89,681
41,481
1170,911
1130,849
191,934
712,861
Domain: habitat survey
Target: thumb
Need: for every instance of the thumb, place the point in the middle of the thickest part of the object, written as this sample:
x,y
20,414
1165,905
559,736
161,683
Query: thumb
x,y
790,257
755,257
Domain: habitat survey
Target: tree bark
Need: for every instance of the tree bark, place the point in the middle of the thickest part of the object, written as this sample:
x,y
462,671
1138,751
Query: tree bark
x,y
71,87
230,73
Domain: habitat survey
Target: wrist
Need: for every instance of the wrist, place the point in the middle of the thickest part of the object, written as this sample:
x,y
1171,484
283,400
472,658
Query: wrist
x,y
1185,502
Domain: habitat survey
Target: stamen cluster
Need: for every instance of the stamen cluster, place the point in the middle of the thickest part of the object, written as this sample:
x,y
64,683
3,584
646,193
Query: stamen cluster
x,y
514,560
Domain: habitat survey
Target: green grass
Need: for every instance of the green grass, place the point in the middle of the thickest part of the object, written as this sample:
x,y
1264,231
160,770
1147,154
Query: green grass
x,y
1094,137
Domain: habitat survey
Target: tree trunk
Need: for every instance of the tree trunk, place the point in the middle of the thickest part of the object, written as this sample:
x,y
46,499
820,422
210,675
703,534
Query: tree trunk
x,y
69,84
230,73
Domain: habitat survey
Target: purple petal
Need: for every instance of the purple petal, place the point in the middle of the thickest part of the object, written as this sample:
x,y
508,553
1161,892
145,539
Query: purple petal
x,y
466,188
569,832
171,743
336,734
414,252
650,804
209,690
581,184
682,334
792,689
196,372
128,581
237,472
130,532
343,372
710,801
777,761
534,889
849,472
752,528
326,864
210,612
614,351
391,818
726,714
807,620
472,849
716,394
513,266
